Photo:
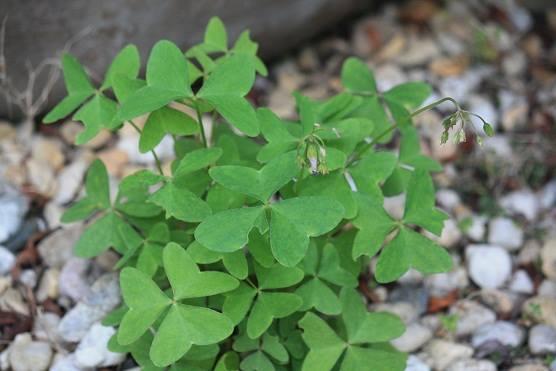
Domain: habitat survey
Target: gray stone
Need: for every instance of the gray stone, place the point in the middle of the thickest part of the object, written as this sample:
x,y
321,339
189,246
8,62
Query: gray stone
x,y
405,310
92,350
489,266
542,339
548,256
523,202
414,337
13,206
471,316
73,279
442,284
28,355
57,248
415,364
521,283
504,232
472,365
103,297
103,27
503,332
443,353
7,261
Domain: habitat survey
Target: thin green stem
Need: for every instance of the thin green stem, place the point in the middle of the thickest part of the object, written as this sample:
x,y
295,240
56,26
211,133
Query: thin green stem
x,y
201,127
156,159
357,155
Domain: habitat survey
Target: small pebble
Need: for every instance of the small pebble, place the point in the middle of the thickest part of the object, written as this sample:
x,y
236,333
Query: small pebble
x,y
504,232
503,332
414,337
7,261
542,339
489,266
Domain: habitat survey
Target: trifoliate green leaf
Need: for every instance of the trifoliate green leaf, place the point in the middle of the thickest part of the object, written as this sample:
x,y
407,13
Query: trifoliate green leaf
x,y
66,106
373,223
367,327
75,77
408,250
269,306
228,362
100,235
96,114
325,346
146,303
357,77
372,170
260,184
188,281
164,121
294,220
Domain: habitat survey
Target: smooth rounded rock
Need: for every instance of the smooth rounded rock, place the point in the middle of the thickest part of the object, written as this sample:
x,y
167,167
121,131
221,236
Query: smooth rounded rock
x,y
489,266
548,257
472,365
28,355
504,232
471,316
542,339
503,332
443,353
414,337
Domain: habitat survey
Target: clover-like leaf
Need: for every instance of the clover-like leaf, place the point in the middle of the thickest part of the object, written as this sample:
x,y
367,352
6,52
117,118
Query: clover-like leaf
x,y
96,114
260,184
216,37
419,204
409,94
227,231
164,121
78,86
357,78
102,234
410,249
146,303
182,325
167,80
323,266
234,262
180,203
127,63
373,223
225,89
294,220
196,160
363,329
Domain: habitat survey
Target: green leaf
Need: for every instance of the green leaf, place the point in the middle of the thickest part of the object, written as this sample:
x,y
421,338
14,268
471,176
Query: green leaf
x,y
185,325
374,359
277,276
409,94
225,88
197,159
216,37
260,184
357,78
97,185
307,113
228,362
145,300
100,235
238,302
66,106
372,170
408,250
167,80
126,63
294,220
332,185
270,306
419,204
180,203
257,361
228,230
188,281
164,121
80,210
272,346
96,114
365,327
374,225
316,294
325,346
75,77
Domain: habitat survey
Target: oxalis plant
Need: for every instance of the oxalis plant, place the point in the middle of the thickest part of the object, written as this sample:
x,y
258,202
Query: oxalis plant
x,y
247,255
